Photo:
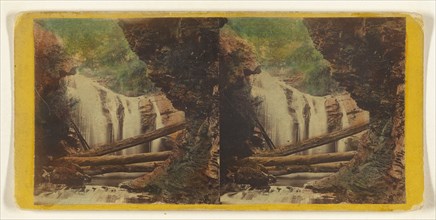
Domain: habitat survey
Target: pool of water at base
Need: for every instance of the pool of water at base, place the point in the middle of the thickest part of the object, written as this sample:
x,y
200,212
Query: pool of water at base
x,y
113,179
288,189
103,189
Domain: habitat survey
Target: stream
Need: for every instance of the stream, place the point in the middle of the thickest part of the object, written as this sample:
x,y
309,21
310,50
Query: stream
x,y
104,116
288,189
287,114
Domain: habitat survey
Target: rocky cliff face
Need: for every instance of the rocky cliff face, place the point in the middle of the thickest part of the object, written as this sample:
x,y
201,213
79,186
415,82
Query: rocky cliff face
x,y
51,65
53,136
182,59
51,61
237,63
354,114
168,113
367,58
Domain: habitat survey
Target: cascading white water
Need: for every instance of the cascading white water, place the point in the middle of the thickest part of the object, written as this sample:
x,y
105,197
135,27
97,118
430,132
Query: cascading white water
x,y
274,109
341,145
318,122
131,123
155,144
87,113
317,116
102,115
298,104
288,121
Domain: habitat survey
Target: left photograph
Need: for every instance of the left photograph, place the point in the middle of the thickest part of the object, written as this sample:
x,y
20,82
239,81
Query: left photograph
x,y
126,111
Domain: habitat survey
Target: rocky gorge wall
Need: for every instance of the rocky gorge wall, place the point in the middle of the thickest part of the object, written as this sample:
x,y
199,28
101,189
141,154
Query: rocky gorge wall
x,y
53,136
237,113
148,113
367,59
182,60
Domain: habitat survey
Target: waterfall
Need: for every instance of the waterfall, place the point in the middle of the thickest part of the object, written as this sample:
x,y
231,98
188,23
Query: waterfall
x,y
155,144
341,146
288,115
274,113
318,122
102,115
297,110
310,116
131,123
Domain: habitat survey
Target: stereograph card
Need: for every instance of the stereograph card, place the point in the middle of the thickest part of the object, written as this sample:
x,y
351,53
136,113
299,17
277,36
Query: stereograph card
x,y
218,110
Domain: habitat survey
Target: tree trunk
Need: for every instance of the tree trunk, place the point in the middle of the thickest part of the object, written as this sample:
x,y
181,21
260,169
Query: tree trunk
x,y
315,142
265,135
116,160
301,159
314,168
140,167
82,140
133,141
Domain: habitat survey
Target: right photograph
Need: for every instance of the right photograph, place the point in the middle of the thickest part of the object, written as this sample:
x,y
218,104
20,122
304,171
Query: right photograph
x,y
312,110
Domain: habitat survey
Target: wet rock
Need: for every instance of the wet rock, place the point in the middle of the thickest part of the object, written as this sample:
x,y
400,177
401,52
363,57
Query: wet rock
x,y
66,173
334,114
355,114
367,58
254,177
53,137
182,60
237,113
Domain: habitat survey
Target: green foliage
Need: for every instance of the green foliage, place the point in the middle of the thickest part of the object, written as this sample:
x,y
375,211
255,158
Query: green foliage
x,y
101,48
317,82
285,43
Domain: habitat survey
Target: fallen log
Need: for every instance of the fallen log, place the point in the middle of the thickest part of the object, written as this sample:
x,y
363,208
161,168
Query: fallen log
x,y
129,168
131,142
313,168
301,159
314,142
115,159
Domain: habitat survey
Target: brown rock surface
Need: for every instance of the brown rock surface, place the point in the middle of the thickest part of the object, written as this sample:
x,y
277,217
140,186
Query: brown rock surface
x,y
182,60
367,58
334,114
53,136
